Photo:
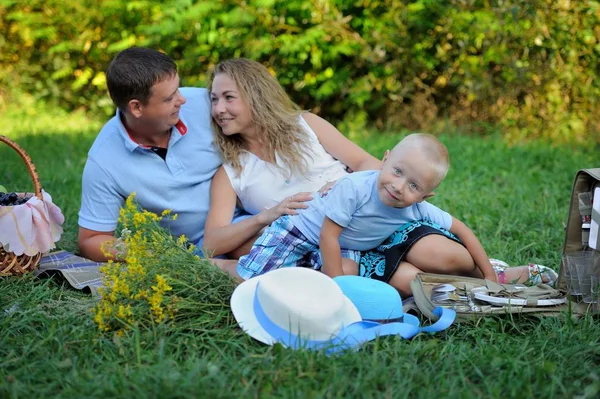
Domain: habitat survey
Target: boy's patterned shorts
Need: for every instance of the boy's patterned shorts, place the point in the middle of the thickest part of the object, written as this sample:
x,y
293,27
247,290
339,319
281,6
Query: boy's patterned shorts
x,y
283,245
381,263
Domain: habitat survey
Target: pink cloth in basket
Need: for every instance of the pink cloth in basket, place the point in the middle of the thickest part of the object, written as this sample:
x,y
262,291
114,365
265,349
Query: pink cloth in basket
x,y
32,227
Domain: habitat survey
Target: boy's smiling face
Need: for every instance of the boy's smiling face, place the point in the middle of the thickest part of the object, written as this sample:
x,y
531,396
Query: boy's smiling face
x,y
406,177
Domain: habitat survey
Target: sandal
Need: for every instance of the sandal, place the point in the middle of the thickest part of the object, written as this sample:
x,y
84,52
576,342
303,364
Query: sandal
x,y
539,273
498,264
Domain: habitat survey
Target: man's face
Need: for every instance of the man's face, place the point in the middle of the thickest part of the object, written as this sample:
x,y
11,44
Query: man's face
x,y
161,111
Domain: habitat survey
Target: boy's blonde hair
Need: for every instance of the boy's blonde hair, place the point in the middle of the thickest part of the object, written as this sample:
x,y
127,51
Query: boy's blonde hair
x,y
274,114
434,151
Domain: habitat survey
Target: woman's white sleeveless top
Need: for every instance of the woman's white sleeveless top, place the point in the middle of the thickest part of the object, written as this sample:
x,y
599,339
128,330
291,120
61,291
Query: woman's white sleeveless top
x,y
262,185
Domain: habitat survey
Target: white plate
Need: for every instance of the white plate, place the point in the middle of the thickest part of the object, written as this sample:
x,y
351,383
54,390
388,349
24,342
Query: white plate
x,y
481,293
444,288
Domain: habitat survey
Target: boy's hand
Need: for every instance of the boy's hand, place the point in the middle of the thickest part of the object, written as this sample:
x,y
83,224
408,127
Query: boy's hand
x,y
492,277
488,271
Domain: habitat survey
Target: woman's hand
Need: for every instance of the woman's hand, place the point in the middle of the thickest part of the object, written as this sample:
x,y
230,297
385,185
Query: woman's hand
x,y
325,189
286,207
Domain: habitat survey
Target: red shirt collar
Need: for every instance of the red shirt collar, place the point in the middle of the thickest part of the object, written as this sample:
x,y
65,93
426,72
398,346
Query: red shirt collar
x,y
181,127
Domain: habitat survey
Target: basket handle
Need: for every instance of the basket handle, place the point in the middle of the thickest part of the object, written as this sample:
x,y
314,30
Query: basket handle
x,y
37,186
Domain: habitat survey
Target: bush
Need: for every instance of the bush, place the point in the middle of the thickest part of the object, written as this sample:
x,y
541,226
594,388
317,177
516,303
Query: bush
x,y
529,65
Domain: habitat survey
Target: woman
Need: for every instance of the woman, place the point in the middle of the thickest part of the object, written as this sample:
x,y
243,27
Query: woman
x,y
274,156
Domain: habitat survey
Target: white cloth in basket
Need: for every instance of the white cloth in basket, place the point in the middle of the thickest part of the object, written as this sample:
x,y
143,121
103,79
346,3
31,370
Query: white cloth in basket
x,y
32,227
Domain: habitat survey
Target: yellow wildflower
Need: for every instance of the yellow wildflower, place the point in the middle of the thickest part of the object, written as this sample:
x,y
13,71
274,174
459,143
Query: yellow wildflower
x,y
161,284
136,291
124,312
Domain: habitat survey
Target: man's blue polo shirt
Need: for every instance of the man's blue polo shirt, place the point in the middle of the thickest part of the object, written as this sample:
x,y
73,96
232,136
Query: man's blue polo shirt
x,y
117,166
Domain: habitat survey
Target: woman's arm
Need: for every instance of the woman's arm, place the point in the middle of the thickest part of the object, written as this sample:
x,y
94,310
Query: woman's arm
x,y
220,235
339,146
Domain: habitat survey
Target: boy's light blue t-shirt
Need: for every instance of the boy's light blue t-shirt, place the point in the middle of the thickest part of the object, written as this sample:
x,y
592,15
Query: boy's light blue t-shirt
x,y
354,204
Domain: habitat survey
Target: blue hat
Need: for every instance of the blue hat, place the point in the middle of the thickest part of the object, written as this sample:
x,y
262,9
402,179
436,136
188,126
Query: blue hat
x,y
374,299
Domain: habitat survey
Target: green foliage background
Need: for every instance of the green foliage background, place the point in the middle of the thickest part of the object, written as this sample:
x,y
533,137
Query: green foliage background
x,y
529,66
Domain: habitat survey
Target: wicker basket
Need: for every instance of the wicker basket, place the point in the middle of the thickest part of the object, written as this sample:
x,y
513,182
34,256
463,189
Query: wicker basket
x,y
10,264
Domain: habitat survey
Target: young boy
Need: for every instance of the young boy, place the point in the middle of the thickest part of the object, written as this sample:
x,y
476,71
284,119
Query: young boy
x,y
361,211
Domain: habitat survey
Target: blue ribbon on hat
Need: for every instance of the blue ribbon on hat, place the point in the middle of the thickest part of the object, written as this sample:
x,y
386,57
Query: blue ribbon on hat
x,y
355,334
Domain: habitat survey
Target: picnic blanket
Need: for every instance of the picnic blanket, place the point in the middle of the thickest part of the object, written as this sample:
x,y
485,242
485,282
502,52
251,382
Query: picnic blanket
x,y
80,273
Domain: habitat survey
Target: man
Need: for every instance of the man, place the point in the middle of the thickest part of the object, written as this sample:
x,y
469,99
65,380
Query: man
x,y
158,145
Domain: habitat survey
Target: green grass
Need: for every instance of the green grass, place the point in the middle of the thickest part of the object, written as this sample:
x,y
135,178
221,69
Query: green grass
x,y
515,199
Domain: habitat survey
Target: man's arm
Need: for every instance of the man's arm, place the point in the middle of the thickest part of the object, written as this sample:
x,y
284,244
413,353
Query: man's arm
x,y
100,205
331,253
475,248
96,245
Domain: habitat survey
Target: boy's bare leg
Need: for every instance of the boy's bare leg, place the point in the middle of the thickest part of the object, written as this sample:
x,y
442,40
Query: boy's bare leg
x,y
436,253
520,274
245,248
404,274
229,266
349,267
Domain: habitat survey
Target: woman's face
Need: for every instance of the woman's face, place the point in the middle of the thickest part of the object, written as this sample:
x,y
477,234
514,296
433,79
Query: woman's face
x,y
229,110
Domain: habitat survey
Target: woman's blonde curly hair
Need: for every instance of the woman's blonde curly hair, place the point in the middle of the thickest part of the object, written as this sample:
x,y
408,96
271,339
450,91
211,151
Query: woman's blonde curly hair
x,y
274,114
